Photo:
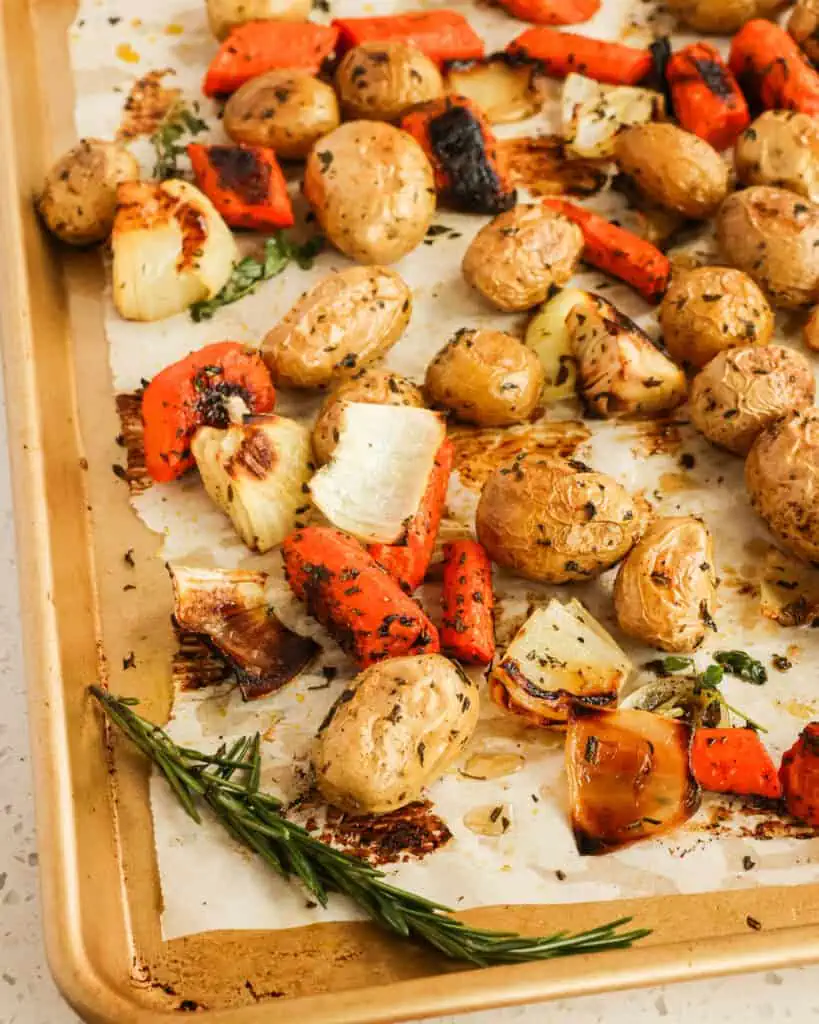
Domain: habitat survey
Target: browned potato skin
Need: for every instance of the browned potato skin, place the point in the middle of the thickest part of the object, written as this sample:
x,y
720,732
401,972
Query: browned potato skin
x,y
342,323
721,15
780,148
225,15
547,521
285,109
374,387
711,309
782,477
810,330
744,390
803,25
79,196
517,257
485,377
665,588
372,190
773,235
674,168
381,81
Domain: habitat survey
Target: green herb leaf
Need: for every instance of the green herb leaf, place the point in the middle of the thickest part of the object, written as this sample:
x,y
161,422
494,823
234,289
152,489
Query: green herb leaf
x,y
668,666
167,139
743,666
712,676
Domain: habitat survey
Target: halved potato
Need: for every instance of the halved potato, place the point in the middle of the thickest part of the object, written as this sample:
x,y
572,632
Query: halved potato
x,y
505,87
549,336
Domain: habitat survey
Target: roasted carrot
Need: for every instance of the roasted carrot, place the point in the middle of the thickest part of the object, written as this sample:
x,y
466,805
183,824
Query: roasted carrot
x,y
467,628
772,70
458,139
799,775
618,252
706,97
564,52
244,183
440,34
259,46
733,761
408,562
354,598
193,393
552,12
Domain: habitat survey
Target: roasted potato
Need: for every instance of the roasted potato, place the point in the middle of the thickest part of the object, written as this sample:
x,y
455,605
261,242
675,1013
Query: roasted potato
x,y
711,309
371,188
549,338
342,323
721,16
394,731
780,148
666,585
225,15
773,235
286,109
79,196
377,387
782,477
674,168
620,371
553,522
380,81
810,330
485,377
803,25
515,259
743,390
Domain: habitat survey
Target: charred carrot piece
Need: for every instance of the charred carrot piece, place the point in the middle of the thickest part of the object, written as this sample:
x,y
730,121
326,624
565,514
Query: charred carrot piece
x,y
564,52
772,70
733,761
618,252
259,46
552,12
244,183
441,35
463,150
194,393
354,598
706,96
799,775
467,628
408,562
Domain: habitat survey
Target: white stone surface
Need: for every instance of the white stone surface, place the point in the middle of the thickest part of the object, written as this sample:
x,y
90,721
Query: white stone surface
x,y
28,996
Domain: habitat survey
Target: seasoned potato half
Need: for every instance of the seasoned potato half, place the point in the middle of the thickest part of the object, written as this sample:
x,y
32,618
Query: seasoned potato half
x,y
380,81
225,15
780,148
549,337
393,732
721,16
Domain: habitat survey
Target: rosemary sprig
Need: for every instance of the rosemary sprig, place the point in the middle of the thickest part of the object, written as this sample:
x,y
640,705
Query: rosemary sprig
x,y
166,140
255,819
249,272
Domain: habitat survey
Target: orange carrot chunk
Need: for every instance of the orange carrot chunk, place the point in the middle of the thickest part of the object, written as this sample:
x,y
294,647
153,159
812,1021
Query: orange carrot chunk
x,y
799,775
706,97
618,252
564,52
244,183
408,562
440,34
259,46
194,393
772,70
354,598
468,629
552,12
733,761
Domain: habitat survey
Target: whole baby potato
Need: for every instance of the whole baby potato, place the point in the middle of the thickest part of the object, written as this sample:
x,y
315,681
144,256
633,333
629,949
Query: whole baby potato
x,y
393,732
551,522
674,168
711,309
773,235
744,390
286,109
782,477
780,148
225,15
722,16
485,377
341,324
79,196
516,259
666,585
382,80
373,386
372,190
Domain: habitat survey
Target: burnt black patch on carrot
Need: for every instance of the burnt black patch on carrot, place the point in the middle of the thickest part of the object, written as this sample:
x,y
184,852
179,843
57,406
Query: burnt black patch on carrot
x,y
241,172
713,74
459,146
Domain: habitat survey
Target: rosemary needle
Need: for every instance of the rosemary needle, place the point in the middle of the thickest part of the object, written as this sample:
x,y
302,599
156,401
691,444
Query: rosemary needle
x,y
255,819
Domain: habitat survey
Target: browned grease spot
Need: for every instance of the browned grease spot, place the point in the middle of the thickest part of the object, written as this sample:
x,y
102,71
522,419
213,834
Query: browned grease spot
x,y
480,450
675,483
725,819
489,819
657,437
131,437
147,104
539,163
410,833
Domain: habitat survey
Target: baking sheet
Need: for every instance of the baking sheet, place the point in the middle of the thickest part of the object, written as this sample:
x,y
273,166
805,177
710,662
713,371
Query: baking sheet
x,y
207,882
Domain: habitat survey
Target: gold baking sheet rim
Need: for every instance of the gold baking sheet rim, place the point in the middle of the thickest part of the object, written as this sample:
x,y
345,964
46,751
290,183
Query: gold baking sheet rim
x,y
101,899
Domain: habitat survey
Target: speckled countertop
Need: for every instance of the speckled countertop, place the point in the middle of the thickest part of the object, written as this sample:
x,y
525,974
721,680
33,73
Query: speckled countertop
x,y
28,996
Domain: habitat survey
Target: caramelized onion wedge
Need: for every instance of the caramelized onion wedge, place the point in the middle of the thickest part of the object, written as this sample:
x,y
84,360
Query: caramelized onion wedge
x,y
229,609
541,165
506,88
629,777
